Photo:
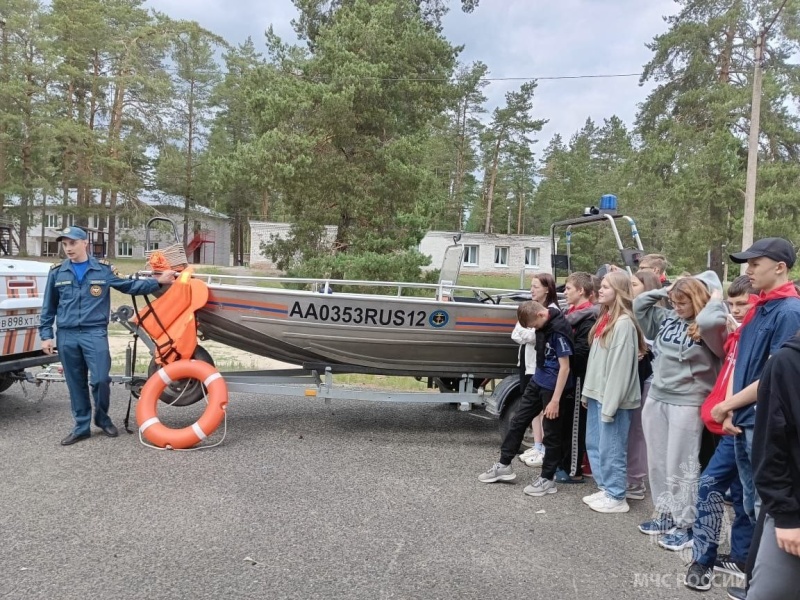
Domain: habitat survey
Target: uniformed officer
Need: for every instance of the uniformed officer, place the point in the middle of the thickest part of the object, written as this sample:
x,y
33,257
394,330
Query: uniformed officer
x,y
77,299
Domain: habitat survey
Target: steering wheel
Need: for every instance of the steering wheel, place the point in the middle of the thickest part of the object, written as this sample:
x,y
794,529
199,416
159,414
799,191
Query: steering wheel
x,y
484,297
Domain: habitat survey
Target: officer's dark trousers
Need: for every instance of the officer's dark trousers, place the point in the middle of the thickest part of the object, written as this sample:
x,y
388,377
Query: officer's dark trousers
x,y
87,362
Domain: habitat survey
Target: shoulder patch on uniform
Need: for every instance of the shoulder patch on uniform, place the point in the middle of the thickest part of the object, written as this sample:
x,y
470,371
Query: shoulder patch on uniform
x,y
104,261
55,265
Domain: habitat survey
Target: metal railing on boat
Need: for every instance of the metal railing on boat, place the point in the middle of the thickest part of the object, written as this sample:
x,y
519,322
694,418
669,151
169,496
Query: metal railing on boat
x,y
438,291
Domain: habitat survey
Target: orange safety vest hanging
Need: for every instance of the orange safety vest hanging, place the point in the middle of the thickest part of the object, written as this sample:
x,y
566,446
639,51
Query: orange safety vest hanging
x,y
158,434
169,319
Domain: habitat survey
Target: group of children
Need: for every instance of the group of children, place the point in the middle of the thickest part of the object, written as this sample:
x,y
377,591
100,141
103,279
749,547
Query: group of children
x,y
633,372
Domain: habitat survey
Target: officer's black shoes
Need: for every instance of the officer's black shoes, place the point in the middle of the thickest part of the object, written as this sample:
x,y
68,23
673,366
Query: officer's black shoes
x,y
73,438
110,430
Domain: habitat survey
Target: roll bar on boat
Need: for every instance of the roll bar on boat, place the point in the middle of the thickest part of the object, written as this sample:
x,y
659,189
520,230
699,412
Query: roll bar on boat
x,y
630,256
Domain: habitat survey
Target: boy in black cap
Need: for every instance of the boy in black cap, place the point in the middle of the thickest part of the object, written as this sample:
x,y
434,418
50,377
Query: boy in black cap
x,y
773,320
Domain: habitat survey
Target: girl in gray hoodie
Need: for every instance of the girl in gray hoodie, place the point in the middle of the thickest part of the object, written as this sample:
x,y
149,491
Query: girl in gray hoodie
x,y
684,371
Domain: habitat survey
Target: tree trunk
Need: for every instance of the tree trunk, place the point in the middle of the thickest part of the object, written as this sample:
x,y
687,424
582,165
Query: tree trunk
x,y
458,187
235,248
726,56
114,128
265,205
43,245
3,146
111,245
492,180
190,140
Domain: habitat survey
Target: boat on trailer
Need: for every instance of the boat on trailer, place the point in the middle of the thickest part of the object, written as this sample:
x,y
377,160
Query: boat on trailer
x,y
458,337
387,332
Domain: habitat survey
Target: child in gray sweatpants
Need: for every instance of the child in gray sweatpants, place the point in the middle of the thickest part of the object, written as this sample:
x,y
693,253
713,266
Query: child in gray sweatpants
x,y
684,372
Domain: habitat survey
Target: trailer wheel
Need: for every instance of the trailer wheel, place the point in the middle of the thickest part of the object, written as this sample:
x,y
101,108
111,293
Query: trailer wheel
x,y
6,381
508,413
184,392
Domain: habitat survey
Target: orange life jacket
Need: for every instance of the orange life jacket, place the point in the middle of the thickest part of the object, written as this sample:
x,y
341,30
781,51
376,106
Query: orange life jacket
x,y
169,319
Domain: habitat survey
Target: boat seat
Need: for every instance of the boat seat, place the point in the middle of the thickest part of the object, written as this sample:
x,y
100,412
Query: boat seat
x,y
466,299
170,321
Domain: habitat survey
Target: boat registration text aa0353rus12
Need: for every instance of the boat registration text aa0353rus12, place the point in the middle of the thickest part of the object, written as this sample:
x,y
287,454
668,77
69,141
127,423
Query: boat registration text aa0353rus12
x,y
360,315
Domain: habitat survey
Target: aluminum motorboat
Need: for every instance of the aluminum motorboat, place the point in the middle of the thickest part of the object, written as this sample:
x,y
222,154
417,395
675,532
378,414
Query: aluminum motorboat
x,y
369,326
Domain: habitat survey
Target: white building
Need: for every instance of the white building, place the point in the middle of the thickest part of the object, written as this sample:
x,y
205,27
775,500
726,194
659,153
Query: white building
x,y
209,231
483,252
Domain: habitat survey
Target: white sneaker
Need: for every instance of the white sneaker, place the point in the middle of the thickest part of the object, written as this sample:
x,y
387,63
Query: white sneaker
x,y
607,504
527,453
535,459
594,497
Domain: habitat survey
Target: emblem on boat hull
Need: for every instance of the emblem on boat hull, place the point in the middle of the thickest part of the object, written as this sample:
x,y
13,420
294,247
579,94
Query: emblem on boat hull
x,y
438,318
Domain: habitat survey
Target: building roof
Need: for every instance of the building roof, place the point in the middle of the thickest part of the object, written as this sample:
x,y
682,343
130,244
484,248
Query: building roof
x,y
154,198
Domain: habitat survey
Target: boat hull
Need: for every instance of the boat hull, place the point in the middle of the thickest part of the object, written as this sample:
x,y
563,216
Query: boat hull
x,y
386,334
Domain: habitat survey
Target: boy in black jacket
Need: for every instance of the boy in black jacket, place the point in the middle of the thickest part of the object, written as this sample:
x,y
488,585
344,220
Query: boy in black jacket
x,y
550,392
776,466
581,315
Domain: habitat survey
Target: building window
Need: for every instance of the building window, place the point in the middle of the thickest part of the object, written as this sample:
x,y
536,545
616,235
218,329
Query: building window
x,y
501,256
70,220
531,257
51,220
124,249
153,246
98,222
471,256
123,222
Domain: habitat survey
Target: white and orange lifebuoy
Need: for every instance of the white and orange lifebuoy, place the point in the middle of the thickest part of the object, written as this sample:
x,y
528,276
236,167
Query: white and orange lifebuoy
x,y
158,434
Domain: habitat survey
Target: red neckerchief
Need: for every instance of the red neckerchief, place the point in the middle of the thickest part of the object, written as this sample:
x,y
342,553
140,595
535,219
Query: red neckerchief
x,y
601,325
572,309
787,290
662,278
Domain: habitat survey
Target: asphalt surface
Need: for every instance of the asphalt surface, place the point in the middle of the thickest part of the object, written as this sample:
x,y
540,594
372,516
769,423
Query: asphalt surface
x,y
302,500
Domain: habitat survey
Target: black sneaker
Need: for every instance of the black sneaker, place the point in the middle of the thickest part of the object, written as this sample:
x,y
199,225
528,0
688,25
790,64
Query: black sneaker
x,y
737,593
726,564
699,577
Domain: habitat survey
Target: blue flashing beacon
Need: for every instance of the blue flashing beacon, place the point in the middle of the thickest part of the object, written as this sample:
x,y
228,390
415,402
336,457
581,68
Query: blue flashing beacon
x,y
608,204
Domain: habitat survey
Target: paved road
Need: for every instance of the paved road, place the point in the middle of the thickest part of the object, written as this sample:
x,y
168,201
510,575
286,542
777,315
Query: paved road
x,y
303,500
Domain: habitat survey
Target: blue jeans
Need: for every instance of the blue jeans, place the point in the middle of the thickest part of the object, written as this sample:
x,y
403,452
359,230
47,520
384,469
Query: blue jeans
x,y
607,447
743,444
720,474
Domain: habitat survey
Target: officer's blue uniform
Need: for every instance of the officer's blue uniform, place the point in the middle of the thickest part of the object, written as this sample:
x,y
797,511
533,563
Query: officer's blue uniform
x,y
81,314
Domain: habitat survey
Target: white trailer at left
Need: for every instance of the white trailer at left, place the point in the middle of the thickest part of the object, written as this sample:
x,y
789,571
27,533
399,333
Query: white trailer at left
x,y
22,284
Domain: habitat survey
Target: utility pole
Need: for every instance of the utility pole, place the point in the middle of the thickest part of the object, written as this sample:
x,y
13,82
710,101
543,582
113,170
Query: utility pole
x,y
4,79
748,220
752,150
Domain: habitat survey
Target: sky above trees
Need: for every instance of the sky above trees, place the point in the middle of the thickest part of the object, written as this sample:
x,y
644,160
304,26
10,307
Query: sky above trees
x,y
514,38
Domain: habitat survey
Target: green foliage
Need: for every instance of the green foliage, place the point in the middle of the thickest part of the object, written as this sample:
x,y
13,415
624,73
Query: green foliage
x,y
371,130
693,131
348,143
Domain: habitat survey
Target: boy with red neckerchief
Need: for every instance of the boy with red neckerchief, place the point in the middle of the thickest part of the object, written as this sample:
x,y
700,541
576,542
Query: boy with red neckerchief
x,y
721,473
772,321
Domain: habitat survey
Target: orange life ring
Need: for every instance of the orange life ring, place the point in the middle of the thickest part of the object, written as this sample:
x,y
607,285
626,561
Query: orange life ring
x,y
158,434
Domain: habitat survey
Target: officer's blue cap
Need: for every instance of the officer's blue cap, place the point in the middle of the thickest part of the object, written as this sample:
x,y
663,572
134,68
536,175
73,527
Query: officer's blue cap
x,y
73,233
